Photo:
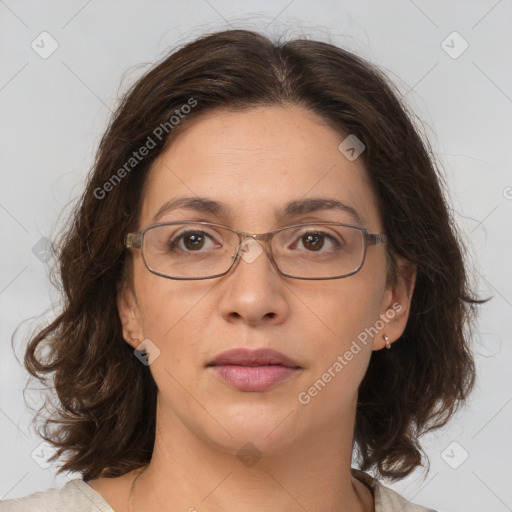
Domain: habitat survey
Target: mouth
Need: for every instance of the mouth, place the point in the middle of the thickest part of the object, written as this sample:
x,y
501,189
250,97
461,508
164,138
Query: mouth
x,y
253,370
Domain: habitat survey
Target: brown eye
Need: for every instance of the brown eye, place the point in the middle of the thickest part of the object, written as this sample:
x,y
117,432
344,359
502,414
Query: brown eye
x,y
317,241
193,241
313,241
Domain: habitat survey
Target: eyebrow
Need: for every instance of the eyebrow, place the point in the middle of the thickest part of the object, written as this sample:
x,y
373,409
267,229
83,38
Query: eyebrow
x,y
291,209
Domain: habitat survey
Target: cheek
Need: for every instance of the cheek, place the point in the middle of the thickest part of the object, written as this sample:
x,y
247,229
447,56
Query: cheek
x,y
176,318
345,315
349,306
163,310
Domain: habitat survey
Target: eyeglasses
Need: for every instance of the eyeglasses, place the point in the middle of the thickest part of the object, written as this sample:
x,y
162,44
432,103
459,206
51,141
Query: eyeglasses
x,y
204,250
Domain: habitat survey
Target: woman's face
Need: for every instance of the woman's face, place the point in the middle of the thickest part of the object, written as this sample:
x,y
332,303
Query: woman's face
x,y
255,162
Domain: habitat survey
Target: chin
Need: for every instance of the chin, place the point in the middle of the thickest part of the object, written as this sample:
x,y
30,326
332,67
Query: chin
x,y
270,429
253,444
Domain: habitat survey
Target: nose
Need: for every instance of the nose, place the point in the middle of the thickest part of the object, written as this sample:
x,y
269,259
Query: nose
x,y
253,291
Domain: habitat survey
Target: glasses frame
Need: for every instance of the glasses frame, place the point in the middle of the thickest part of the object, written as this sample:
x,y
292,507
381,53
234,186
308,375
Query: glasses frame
x,y
136,241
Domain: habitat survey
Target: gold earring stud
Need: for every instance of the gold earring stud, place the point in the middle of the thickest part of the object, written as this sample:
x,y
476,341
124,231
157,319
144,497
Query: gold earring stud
x,y
386,339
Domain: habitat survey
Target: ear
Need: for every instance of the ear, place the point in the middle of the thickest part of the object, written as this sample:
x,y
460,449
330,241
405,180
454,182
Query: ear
x,y
396,306
130,317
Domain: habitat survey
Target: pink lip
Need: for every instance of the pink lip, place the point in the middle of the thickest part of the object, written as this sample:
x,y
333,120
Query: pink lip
x,y
253,370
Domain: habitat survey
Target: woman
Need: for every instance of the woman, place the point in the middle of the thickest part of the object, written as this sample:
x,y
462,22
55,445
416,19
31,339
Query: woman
x,y
261,281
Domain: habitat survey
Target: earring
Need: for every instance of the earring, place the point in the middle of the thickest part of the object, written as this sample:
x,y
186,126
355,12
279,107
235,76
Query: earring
x,y
135,341
386,339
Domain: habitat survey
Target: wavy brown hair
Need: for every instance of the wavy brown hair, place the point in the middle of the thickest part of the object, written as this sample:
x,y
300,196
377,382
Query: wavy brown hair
x,y
103,420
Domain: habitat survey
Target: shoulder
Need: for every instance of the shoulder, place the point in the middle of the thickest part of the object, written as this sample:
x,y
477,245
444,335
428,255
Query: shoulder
x,y
76,495
386,499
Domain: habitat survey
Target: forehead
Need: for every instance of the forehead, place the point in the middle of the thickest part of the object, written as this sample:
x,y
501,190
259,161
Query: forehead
x,y
256,163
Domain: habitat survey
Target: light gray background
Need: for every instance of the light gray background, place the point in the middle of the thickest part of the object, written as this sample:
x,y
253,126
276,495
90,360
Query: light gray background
x,y
54,111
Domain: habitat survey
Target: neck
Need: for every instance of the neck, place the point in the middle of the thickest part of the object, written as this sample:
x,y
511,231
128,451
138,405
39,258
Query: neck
x,y
188,472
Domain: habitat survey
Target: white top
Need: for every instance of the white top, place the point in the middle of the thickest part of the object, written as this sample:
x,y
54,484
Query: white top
x,y
78,496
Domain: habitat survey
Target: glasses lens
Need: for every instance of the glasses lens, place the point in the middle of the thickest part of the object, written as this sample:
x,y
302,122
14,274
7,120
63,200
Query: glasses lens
x,y
319,251
189,250
196,251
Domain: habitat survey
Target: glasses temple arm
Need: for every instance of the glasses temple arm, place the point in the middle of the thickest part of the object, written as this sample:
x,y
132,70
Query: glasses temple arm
x,y
133,241
376,238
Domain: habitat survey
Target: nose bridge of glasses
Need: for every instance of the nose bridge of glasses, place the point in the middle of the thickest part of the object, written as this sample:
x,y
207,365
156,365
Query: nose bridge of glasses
x,y
249,247
245,240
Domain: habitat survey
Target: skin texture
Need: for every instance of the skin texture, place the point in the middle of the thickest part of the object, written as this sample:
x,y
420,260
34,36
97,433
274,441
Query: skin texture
x,y
255,161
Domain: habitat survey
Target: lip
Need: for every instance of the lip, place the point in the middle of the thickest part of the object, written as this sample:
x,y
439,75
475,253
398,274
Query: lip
x,y
254,357
253,370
